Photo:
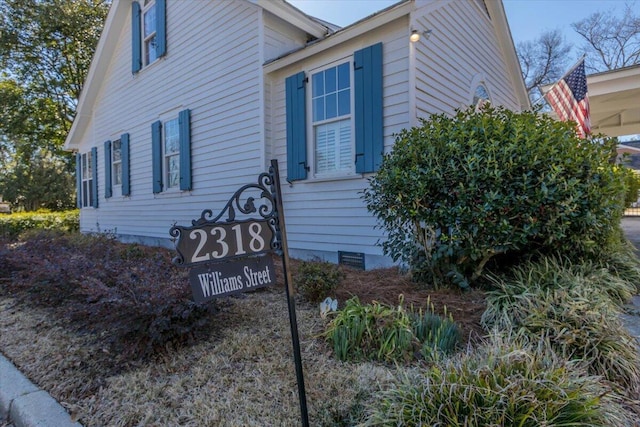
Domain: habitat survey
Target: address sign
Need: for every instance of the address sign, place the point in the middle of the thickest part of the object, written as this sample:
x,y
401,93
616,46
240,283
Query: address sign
x,y
230,255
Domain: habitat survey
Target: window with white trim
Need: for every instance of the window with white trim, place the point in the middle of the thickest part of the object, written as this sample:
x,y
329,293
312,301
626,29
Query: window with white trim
x,y
87,180
171,154
334,117
149,31
332,125
116,163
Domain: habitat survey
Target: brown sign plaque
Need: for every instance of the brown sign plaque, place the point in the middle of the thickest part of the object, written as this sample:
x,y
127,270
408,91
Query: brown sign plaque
x,y
215,242
231,277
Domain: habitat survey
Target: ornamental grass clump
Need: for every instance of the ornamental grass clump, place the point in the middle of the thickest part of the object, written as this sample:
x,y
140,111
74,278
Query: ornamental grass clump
x,y
390,334
504,383
576,308
458,192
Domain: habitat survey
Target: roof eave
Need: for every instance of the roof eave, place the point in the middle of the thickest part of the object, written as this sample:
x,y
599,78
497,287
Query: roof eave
x,y
503,32
347,33
97,72
295,17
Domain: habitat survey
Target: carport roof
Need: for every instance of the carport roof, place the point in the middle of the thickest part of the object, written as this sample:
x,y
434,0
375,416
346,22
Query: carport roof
x,y
614,101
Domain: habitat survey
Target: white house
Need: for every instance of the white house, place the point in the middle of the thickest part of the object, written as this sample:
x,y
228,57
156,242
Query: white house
x,y
186,101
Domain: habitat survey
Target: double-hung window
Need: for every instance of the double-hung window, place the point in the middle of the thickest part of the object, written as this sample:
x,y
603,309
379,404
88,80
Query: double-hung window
x,y
148,31
171,152
116,167
116,162
87,179
331,120
342,106
149,34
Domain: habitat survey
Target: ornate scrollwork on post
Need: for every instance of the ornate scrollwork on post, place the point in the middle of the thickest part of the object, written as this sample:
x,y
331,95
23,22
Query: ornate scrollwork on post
x,y
212,238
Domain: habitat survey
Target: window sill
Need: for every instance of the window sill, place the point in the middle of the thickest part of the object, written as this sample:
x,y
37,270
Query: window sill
x,y
173,193
146,67
320,179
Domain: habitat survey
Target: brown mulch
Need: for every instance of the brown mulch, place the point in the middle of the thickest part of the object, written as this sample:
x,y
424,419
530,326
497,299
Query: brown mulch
x,y
386,285
102,285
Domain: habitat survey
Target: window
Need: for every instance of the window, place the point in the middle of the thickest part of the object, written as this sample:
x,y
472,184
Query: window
x,y
87,179
171,150
149,45
148,32
116,167
331,112
345,116
480,96
116,163
171,153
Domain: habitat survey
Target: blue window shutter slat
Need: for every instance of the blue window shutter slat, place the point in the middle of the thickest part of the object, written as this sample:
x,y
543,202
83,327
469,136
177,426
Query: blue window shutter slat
x,y
124,148
368,108
161,27
156,151
296,127
184,123
108,192
94,181
79,180
136,38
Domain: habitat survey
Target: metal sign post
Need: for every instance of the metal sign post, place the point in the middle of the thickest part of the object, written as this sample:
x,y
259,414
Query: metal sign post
x,y
281,230
231,255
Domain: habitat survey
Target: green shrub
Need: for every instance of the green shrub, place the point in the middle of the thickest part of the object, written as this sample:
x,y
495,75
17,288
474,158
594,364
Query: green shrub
x,y
379,332
577,308
315,280
456,192
504,383
632,181
14,224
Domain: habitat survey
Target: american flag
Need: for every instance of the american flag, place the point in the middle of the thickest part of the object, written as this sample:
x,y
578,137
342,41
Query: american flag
x,y
569,99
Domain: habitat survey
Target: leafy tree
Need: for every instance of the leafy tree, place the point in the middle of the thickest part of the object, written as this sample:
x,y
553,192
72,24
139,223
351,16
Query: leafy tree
x,y
41,183
46,48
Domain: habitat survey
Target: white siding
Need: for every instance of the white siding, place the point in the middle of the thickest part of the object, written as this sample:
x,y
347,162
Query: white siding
x,y
461,49
213,66
280,37
329,215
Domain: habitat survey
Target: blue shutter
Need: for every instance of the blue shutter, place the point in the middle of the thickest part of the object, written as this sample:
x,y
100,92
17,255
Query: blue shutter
x,y
79,180
108,192
368,108
94,178
136,38
124,149
184,124
161,27
156,155
296,127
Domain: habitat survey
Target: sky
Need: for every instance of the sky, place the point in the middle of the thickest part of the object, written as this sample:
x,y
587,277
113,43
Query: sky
x,y
527,18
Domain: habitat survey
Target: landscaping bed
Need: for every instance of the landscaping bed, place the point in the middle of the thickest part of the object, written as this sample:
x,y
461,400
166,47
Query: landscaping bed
x,y
110,331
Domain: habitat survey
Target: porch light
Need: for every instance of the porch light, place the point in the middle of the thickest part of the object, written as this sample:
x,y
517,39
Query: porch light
x,y
416,35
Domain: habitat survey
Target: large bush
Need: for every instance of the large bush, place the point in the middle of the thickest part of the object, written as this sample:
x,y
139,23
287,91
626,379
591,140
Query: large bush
x,y
458,191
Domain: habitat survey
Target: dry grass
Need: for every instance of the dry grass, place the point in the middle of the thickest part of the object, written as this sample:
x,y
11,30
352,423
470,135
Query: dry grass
x,y
239,371
244,376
